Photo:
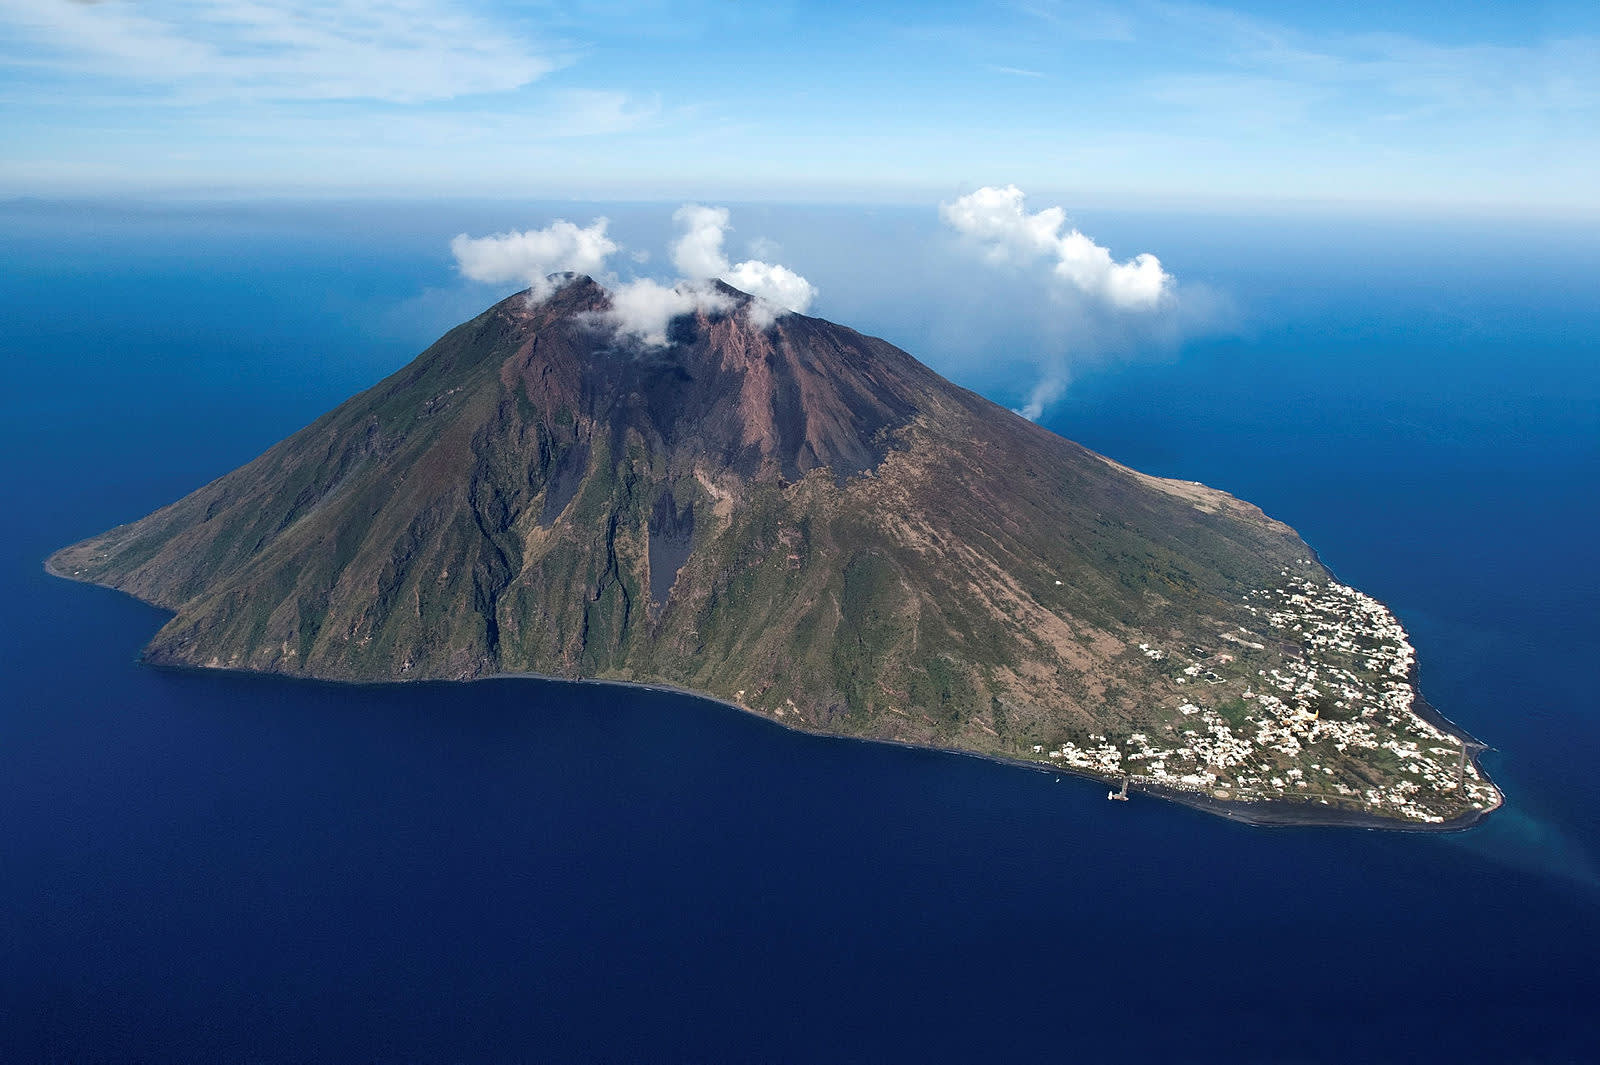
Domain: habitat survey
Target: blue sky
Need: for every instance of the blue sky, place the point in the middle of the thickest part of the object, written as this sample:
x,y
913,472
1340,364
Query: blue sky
x,y
1444,105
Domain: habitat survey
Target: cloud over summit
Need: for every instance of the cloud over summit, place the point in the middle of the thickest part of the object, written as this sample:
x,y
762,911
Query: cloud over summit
x,y
698,254
531,256
698,251
641,307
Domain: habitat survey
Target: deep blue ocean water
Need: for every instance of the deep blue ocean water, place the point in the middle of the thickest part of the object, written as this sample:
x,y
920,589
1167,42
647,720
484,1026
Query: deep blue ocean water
x,y
222,868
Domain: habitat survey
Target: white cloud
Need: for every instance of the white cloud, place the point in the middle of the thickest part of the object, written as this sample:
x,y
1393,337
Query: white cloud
x,y
996,218
641,308
1088,306
1050,388
698,255
776,284
395,50
531,256
698,252
644,308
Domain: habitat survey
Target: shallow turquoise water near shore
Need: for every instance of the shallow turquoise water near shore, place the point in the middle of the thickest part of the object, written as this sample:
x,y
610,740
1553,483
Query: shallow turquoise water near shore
x,y
198,867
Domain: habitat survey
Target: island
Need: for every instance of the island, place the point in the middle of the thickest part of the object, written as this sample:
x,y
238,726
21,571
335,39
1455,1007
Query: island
x,y
793,518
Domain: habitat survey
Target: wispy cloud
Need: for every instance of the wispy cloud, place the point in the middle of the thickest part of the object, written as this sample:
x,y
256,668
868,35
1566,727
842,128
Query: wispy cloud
x,y
1377,75
393,50
1236,102
1016,72
1085,20
1103,101
598,112
1049,388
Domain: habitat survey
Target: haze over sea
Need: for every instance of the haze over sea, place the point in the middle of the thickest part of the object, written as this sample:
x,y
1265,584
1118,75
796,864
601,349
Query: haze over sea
x,y
231,868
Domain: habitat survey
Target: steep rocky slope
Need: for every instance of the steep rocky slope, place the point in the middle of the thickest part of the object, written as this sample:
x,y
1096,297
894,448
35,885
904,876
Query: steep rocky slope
x,y
792,517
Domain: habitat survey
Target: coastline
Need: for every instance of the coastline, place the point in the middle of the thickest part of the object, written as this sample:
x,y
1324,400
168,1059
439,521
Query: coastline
x,y
1256,814
1433,716
1264,814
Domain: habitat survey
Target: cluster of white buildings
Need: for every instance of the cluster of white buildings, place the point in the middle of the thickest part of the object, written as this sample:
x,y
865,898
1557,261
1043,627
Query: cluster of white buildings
x,y
1355,665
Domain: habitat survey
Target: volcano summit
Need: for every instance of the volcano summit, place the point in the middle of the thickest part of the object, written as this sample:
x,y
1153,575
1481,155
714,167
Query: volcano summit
x,y
788,516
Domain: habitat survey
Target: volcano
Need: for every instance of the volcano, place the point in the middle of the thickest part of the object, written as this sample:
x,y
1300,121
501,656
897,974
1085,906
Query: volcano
x,y
783,514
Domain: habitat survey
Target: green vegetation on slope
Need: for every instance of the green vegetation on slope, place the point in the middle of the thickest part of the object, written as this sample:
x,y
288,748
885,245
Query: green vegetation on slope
x,y
874,551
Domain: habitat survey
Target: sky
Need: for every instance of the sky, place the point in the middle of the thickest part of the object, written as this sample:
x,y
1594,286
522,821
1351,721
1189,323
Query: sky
x,y
1405,104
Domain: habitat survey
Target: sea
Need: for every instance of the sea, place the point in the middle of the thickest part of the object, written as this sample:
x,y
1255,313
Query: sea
x,y
203,867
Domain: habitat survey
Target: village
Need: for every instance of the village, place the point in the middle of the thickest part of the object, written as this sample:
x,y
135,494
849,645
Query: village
x,y
1335,724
